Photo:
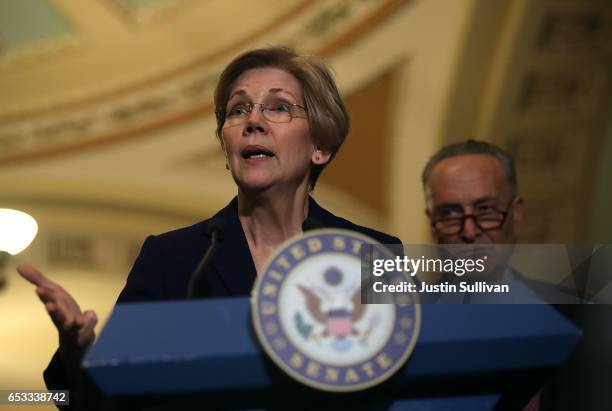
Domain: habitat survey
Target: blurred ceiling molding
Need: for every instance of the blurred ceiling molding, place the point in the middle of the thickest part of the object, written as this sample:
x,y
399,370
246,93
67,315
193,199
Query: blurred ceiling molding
x,y
180,95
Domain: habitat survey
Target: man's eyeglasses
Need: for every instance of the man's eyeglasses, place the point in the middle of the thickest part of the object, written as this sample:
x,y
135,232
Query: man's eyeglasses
x,y
486,218
275,112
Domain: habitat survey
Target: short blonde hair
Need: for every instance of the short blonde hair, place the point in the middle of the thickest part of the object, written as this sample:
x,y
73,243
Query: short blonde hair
x,y
328,118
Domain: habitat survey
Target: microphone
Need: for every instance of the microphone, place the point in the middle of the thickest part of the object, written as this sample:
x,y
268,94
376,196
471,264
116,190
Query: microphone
x,y
216,231
311,224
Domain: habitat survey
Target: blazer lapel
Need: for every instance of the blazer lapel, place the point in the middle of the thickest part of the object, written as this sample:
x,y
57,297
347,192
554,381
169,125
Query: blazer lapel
x,y
322,216
232,260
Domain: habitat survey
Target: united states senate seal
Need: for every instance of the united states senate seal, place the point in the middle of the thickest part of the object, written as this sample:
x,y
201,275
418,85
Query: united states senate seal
x,y
308,316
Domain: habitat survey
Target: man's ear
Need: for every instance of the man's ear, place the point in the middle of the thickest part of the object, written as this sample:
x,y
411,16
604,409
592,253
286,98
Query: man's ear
x,y
320,156
518,216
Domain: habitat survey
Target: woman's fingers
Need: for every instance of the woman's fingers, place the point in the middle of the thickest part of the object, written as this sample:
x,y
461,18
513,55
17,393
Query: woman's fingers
x,y
33,275
62,312
86,334
62,319
81,333
90,318
37,278
75,328
46,295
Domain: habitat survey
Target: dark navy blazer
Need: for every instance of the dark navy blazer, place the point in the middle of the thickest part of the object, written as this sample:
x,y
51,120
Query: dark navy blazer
x,y
164,266
165,263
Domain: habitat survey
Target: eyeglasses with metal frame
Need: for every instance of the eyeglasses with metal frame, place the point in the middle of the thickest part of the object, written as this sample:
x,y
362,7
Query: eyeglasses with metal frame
x,y
275,112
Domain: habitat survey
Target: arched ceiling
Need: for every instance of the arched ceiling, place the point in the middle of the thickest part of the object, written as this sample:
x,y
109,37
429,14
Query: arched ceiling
x,y
106,104
102,71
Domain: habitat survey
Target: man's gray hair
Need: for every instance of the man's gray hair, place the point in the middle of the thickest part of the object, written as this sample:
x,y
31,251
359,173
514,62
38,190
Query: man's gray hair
x,y
474,147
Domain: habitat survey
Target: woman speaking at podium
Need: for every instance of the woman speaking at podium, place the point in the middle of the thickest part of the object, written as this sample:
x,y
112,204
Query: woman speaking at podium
x,y
280,121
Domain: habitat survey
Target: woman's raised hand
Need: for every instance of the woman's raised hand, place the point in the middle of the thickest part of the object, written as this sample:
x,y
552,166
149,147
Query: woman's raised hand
x,y
76,328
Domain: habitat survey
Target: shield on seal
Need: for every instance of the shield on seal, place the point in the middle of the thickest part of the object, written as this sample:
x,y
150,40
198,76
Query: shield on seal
x,y
339,323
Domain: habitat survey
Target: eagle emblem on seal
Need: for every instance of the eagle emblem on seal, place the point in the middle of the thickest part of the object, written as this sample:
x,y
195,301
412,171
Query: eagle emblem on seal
x,y
336,307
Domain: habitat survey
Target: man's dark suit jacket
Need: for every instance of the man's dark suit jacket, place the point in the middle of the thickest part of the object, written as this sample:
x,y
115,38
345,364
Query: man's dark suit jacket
x,y
166,262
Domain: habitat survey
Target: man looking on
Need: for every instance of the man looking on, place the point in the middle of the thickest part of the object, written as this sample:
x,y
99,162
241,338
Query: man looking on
x,y
471,195
472,198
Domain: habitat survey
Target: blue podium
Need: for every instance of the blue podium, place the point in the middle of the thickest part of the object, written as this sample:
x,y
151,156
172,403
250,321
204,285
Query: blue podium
x,y
467,357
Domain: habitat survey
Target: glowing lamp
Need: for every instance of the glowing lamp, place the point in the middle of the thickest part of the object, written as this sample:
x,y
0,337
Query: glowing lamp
x,y
17,230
